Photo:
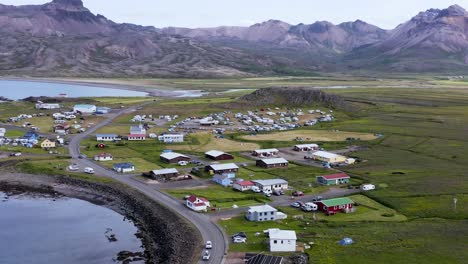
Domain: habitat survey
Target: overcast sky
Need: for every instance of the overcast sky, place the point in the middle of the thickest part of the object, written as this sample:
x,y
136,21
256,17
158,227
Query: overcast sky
x,y
208,13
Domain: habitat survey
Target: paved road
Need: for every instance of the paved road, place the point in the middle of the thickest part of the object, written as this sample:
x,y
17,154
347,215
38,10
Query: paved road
x,y
208,229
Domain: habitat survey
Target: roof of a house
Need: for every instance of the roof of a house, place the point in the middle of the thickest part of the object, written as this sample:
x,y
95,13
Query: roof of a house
x,y
193,199
214,153
262,208
104,155
266,150
165,171
172,155
262,259
274,161
307,146
337,201
137,135
282,234
227,166
271,182
246,183
325,154
335,176
106,135
125,165
220,177
84,106
171,135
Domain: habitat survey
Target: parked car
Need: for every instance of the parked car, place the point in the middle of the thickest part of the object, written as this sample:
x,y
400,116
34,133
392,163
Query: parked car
x,y
309,207
296,205
73,167
255,189
267,194
297,193
367,187
209,245
240,234
182,163
317,198
16,154
82,156
206,255
89,170
278,192
238,240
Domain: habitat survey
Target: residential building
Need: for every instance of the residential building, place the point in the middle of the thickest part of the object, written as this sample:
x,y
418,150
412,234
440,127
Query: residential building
x,y
165,174
222,179
84,108
124,167
306,147
171,138
173,157
62,129
333,179
43,106
197,204
137,133
264,213
243,186
107,137
271,185
48,144
104,157
265,152
222,168
30,137
218,155
282,240
272,163
332,206
328,157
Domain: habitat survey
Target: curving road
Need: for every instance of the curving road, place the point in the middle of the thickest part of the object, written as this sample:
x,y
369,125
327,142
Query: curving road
x,y
208,229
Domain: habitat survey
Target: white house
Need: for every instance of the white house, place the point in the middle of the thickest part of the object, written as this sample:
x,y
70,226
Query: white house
x,y
43,106
265,152
103,157
243,186
264,213
124,167
107,137
197,204
306,147
84,108
2,132
137,133
271,185
328,157
171,138
282,240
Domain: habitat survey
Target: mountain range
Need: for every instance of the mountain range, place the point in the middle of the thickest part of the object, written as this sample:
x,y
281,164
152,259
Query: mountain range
x,y
63,38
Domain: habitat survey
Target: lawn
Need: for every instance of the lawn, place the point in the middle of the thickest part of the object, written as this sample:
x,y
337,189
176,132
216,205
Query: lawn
x,y
222,197
309,135
141,165
14,133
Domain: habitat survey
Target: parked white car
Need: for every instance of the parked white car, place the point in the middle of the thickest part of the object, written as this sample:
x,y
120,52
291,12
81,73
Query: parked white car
x,y
183,163
367,187
89,170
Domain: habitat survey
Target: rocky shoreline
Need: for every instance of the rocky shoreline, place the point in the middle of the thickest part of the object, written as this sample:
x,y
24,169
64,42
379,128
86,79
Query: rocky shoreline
x,y
166,237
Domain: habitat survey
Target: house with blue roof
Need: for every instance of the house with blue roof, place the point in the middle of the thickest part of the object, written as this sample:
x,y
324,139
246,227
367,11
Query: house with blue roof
x,y
124,167
222,179
30,136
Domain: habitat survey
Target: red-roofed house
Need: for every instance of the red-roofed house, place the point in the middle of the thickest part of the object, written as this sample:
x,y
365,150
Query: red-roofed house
x,y
333,179
197,204
243,186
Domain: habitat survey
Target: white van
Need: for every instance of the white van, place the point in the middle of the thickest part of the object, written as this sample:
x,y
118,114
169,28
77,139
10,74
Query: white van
x,y
255,189
89,170
309,207
367,187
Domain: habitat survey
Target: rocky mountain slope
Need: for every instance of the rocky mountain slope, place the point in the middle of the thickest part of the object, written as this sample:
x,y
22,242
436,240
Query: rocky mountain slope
x,y
63,38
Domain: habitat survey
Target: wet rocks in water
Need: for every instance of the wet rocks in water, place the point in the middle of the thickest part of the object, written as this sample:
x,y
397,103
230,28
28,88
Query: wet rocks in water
x,y
111,237
128,257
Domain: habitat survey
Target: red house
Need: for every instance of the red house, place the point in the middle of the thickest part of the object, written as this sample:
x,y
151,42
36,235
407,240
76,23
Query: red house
x,y
333,206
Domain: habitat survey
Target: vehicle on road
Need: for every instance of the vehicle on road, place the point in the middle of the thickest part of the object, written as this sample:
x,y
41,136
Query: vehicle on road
x,y
82,156
89,170
16,154
73,167
206,255
295,205
209,245
298,193
317,198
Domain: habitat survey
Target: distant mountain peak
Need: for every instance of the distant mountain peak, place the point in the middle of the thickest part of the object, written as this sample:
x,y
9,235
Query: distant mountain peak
x,y
68,5
454,10
69,2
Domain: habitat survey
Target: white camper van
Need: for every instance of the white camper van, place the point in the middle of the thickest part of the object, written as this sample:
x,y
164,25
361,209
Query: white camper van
x,y
367,187
89,170
309,207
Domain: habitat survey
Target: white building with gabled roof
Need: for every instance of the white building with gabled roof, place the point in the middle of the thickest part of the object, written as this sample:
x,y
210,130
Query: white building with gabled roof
x,y
282,240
